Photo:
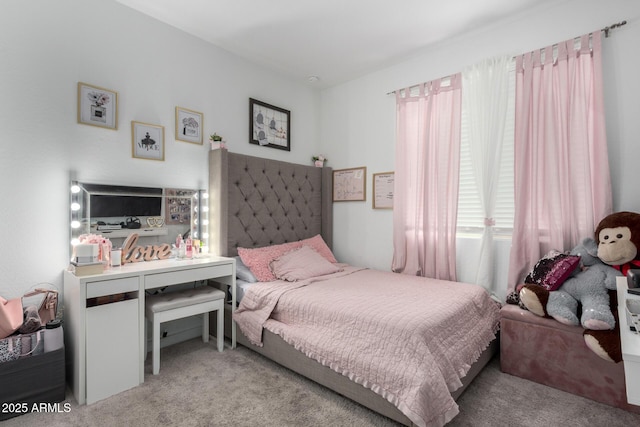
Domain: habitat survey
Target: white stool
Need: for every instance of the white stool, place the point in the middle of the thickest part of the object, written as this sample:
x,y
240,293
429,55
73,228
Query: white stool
x,y
176,305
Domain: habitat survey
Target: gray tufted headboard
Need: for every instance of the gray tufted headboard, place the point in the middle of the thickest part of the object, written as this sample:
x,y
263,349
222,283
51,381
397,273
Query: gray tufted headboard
x,y
256,202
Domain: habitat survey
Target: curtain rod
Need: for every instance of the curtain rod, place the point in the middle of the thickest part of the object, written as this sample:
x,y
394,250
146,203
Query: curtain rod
x,y
605,30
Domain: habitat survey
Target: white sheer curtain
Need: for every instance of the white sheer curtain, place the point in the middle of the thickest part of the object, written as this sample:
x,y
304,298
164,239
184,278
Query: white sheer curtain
x,y
562,180
485,95
426,179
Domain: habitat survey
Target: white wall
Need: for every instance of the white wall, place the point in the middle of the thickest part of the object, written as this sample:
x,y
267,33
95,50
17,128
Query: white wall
x,y
46,47
358,118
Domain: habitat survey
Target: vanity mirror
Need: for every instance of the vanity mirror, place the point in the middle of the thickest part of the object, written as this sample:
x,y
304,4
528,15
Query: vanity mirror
x,y
157,215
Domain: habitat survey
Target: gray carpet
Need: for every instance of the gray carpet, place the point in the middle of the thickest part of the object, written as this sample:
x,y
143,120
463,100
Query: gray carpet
x,y
198,386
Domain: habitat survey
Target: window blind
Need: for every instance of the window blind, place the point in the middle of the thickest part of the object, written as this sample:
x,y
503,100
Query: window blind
x,y
470,213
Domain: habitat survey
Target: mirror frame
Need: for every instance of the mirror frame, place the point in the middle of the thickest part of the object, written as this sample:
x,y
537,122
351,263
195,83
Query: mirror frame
x,y
81,220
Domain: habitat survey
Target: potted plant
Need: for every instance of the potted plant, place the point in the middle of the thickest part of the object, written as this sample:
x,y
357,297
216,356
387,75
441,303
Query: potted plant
x,y
216,141
319,160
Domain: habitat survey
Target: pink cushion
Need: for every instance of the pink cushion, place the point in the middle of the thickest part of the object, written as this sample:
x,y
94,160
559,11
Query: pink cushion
x,y
552,270
258,259
300,264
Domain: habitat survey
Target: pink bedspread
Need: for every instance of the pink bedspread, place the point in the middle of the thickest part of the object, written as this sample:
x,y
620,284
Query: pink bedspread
x,y
407,338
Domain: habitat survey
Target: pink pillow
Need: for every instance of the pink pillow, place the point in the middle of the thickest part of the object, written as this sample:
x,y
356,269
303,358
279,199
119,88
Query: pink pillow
x,y
300,264
258,259
552,270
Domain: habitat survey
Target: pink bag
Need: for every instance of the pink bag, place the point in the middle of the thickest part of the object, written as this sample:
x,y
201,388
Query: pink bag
x,y
11,316
49,305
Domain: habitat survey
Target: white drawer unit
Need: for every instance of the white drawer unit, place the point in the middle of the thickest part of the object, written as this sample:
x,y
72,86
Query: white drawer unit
x,y
158,280
105,320
112,349
112,287
630,345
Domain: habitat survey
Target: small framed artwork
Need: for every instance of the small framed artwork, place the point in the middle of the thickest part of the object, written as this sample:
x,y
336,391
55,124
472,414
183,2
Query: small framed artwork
x,y
350,185
97,106
147,141
188,125
269,125
383,190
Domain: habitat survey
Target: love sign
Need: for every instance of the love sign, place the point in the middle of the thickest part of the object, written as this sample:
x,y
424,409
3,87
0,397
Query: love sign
x,y
131,252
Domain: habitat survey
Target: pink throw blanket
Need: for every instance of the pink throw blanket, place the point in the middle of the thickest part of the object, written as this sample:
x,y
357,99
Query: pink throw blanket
x,y
407,338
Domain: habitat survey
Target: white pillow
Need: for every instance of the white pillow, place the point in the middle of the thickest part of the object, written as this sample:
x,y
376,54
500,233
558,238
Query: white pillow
x,y
243,272
300,264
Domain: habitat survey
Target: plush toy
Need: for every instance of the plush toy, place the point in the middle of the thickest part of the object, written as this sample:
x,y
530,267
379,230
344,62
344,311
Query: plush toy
x,y
588,285
618,237
618,245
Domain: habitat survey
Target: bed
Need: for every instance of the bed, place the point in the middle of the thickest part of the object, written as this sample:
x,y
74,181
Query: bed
x,y
261,203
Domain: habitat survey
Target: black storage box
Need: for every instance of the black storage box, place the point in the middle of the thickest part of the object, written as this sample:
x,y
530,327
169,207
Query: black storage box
x,y
31,380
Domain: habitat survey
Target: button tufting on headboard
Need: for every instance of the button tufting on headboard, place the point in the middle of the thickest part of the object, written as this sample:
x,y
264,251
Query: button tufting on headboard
x,y
269,202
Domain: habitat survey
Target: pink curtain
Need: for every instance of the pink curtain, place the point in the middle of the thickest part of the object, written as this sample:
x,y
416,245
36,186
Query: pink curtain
x,y
426,179
562,181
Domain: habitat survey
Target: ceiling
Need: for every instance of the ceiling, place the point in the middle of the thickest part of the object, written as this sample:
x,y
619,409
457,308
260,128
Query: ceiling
x,y
333,40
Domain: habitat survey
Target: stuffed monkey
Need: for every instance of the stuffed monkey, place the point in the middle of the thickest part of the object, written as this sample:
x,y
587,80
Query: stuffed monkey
x,y
618,238
618,245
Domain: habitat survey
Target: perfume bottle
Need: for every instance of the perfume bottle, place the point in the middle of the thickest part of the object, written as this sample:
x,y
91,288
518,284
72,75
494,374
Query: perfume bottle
x,y
180,246
188,248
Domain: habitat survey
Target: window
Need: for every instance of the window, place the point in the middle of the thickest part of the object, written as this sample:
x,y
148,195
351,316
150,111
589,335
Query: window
x,y
470,213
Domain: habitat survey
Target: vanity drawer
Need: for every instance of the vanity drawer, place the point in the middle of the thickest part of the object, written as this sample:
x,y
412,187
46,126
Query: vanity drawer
x,y
110,287
158,280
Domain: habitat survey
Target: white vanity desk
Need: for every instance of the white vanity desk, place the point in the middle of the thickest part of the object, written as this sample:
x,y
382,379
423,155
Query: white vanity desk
x,y
104,335
630,345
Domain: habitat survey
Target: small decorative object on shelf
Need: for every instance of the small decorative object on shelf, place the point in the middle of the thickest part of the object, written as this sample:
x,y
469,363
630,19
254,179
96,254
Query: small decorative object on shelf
x,y
319,160
93,248
216,141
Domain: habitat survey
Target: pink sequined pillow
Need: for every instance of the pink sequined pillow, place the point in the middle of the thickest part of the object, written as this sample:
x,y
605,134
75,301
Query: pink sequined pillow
x,y
258,259
552,270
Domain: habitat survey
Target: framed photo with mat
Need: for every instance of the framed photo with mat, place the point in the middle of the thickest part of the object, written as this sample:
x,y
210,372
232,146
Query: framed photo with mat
x,y
269,125
97,106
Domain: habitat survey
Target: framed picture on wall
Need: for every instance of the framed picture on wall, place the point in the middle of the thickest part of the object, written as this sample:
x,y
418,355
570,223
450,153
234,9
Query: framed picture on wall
x,y
147,141
189,125
97,106
383,190
269,125
350,185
